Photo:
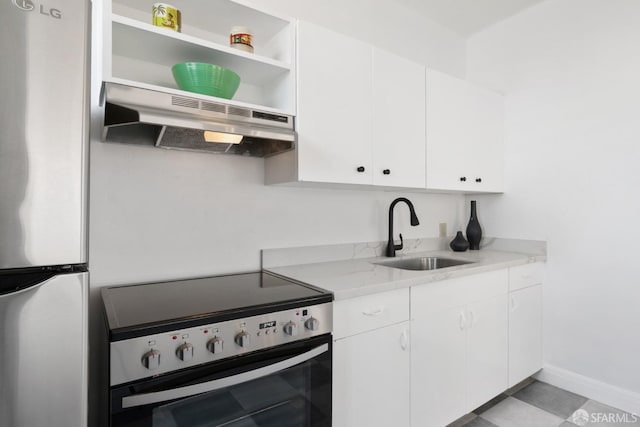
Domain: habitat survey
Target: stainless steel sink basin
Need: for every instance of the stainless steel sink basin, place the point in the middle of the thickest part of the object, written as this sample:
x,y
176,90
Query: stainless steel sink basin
x,y
424,263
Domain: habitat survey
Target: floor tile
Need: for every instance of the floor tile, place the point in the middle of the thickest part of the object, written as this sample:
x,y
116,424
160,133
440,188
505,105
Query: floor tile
x,y
552,399
601,415
490,404
479,422
462,421
522,384
516,413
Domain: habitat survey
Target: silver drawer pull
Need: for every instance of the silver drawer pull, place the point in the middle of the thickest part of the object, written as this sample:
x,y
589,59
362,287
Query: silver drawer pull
x,y
377,312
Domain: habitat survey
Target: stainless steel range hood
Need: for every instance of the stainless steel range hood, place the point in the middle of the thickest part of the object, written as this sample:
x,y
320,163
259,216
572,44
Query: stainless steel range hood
x,y
140,116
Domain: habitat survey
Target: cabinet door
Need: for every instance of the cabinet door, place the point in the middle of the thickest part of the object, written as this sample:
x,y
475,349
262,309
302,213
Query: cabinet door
x,y
525,333
438,368
334,107
371,378
487,350
398,121
485,117
464,135
447,158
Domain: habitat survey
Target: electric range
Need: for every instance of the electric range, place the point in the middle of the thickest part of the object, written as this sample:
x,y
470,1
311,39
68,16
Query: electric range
x,y
249,349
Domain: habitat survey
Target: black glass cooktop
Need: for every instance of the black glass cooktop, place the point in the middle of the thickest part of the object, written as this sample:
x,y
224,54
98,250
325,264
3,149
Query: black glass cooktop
x,y
150,308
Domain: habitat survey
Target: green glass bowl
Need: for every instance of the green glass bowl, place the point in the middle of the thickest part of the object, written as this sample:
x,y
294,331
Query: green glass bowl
x,y
207,79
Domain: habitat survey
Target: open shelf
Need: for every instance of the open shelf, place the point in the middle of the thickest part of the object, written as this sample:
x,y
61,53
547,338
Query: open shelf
x,y
178,92
143,54
213,19
148,43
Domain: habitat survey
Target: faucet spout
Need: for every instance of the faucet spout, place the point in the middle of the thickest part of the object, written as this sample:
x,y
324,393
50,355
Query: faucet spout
x,y
391,246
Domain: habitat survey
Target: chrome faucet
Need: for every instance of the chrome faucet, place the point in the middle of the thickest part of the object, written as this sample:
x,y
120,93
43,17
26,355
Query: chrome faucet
x,y
391,246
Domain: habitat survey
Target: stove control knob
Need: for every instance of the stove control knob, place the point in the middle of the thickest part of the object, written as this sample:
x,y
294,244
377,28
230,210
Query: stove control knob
x,y
151,359
312,324
215,345
291,329
185,352
242,339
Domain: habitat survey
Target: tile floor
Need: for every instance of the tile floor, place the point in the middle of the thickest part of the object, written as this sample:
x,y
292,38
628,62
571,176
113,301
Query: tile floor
x,y
536,404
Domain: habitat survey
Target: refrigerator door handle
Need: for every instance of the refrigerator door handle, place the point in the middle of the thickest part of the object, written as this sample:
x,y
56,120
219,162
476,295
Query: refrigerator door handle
x,y
11,283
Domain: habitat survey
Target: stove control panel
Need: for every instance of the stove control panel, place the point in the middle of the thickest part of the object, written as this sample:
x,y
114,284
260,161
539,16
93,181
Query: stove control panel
x,y
151,355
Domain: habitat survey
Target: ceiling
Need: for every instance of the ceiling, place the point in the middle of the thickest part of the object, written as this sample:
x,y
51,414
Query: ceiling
x,y
467,17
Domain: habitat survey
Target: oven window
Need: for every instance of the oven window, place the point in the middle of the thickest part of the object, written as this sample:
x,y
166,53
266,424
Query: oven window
x,y
284,399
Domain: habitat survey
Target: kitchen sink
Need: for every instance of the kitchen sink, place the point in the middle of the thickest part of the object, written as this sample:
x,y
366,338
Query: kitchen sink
x,y
423,263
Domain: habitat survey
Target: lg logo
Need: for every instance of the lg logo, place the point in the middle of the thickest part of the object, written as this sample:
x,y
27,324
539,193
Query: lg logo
x,y
29,6
24,4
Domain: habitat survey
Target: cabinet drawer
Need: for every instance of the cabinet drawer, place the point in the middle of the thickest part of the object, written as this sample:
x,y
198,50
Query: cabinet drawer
x,y
526,275
357,315
439,296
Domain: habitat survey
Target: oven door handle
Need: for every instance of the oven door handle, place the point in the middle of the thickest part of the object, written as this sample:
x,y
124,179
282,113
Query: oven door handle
x,y
192,390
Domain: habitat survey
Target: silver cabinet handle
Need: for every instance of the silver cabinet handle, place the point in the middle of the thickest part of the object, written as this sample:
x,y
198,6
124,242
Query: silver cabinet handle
x,y
376,312
192,390
404,340
463,320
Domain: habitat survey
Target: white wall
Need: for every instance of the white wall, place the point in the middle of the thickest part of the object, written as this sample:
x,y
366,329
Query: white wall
x,y
571,73
384,23
158,215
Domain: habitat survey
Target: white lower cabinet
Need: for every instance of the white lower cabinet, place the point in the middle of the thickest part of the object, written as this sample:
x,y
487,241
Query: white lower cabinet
x,y
371,362
438,368
487,350
371,378
426,356
459,346
525,322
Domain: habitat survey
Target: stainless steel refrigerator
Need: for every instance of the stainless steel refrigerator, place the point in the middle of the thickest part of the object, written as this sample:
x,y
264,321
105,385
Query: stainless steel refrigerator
x,y
43,203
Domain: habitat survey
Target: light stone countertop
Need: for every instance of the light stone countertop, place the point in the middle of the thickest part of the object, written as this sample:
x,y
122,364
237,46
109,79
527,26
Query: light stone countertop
x,y
349,278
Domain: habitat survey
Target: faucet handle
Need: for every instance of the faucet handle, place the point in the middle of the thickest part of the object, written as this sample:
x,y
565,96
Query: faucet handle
x,y
401,245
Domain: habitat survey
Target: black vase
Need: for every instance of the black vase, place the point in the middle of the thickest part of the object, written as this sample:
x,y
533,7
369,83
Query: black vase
x,y
474,232
459,243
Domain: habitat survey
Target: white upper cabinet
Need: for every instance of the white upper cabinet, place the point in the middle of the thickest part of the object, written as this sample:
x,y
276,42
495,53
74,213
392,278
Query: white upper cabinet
x,y
139,54
398,121
465,133
334,121
361,115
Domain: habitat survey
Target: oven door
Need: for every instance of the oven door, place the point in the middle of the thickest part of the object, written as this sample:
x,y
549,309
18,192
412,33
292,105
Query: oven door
x,y
286,386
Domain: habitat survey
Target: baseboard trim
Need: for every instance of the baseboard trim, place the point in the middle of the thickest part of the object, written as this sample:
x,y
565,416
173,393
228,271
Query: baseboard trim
x,y
593,389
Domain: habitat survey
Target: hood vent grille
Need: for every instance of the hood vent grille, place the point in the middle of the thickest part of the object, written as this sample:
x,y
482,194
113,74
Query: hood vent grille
x,y
208,106
184,102
147,117
235,111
